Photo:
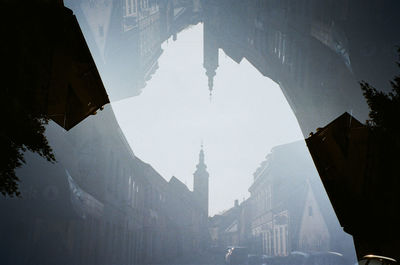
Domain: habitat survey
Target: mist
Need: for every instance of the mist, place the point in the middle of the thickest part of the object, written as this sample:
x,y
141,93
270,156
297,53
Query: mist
x,y
243,119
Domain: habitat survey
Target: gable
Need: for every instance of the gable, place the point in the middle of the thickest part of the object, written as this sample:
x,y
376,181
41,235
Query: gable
x,y
314,234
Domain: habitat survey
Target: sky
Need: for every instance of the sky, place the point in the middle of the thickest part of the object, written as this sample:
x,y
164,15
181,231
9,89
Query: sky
x,y
166,124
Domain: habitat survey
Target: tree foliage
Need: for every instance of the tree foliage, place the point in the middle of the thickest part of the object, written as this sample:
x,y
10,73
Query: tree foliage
x,y
23,129
384,115
23,114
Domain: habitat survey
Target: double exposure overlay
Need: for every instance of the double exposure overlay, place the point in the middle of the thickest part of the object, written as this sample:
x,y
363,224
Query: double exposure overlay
x,y
200,132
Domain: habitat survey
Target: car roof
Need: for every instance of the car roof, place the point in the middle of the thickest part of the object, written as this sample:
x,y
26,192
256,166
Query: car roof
x,y
378,257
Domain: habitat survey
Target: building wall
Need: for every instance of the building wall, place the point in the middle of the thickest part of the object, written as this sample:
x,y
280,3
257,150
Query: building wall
x,y
309,49
314,234
281,197
116,211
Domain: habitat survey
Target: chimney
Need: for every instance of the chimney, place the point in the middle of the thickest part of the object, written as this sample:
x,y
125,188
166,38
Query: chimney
x,y
236,203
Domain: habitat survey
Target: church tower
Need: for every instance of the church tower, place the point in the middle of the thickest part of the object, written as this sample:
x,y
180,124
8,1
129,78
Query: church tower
x,y
210,48
200,183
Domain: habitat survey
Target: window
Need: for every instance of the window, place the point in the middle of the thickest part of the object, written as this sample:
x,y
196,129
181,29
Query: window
x,y
310,212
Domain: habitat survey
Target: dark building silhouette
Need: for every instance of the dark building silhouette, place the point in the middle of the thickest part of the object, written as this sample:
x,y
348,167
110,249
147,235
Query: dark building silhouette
x,y
200,183
353,165
50,75
61,80
316,52
100,203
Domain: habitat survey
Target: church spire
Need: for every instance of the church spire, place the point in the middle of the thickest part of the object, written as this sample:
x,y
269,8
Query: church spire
x,y
200,182
210,82
210,52
201,166
201,155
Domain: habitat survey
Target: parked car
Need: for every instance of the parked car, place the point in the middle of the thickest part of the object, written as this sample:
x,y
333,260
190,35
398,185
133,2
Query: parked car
x,y
237,255
303,258
376,260
297,258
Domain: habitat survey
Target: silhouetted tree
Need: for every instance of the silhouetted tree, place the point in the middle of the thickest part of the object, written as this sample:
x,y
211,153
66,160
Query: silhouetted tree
x,y
384,109
49,73
384,144
23,127
22,113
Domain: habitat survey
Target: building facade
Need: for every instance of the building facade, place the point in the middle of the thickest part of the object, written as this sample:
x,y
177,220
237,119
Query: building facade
x,y
232,227
125,37
99,204
290,210
308,48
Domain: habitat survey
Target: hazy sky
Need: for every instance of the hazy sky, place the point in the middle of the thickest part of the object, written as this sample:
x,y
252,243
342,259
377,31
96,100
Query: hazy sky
x,y
248,115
